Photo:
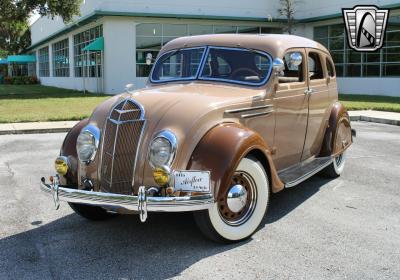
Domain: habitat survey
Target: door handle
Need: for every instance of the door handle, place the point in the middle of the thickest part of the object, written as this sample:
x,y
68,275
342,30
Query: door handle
x,y
309,91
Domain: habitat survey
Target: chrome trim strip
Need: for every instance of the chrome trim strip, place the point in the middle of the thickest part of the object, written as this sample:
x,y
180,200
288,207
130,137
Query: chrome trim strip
x,y
251,115
245,109
308,175
202,65
130,202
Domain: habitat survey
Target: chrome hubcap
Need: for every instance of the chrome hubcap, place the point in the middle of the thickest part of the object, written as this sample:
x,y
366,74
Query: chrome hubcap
x,y
237,198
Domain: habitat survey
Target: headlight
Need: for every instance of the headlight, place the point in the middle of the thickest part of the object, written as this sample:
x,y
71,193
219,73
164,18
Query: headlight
x,y
162,149
87,143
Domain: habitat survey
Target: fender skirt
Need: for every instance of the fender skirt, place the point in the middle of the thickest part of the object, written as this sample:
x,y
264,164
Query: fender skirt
x,y
221,149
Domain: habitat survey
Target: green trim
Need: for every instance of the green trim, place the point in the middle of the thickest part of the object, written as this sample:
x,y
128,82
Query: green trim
x,y
21,59
96,45
185,16
98,14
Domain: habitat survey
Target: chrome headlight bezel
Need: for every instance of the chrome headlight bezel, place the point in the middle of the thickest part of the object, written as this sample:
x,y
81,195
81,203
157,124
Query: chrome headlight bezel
x,y
168,137
92,132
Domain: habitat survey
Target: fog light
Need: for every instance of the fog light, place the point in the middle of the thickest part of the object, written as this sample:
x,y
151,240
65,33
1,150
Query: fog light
x,y
162,175
61,165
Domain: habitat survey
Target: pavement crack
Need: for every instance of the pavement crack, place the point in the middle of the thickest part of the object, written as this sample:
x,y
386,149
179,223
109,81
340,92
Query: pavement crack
x,y
9,170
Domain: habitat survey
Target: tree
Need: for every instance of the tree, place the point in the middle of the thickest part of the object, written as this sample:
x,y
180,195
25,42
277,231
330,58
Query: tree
x,y
14,15
288,9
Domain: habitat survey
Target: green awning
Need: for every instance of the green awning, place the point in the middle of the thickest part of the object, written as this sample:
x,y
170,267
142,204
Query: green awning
x,y
21,59
96,45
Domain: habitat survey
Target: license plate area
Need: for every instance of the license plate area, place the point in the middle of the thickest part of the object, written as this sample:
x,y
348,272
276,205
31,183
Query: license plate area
x,y
192,181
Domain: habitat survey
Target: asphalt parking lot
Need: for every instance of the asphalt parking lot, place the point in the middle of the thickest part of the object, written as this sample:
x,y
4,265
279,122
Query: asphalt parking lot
x,y
322,229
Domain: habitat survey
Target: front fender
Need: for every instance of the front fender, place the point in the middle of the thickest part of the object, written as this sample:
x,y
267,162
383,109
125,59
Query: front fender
x,y
221,149
338,136
68,149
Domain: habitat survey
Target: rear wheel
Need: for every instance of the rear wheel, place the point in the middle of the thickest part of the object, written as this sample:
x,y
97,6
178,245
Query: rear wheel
x,y
239,211
89,212
335,169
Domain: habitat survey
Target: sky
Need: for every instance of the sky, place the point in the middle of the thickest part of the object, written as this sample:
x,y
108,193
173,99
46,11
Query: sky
x,y
33,18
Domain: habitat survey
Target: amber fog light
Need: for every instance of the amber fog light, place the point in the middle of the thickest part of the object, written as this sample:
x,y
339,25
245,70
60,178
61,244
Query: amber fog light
x,y
162,175
61,165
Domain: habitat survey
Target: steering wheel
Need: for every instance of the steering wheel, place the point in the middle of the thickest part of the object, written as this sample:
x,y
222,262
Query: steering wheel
x,y
243,72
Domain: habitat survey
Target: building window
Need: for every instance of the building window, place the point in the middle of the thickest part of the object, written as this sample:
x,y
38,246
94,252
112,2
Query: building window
x,y
87,64
43,59
151,37
349,63
61,58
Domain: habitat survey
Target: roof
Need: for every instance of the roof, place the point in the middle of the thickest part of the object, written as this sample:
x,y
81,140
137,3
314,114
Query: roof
x,y
3,61
274,44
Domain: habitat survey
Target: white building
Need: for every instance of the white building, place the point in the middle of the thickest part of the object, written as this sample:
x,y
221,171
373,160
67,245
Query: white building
x,y
129,30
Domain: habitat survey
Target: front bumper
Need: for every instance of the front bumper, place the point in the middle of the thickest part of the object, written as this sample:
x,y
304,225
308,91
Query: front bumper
x,y
141,203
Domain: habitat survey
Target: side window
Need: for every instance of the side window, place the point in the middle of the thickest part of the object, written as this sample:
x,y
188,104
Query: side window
x,y
330,68
292,73
314,66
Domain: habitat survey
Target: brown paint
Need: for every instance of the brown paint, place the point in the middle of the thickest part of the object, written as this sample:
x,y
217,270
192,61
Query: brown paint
x,y
210,139
339,121
221,150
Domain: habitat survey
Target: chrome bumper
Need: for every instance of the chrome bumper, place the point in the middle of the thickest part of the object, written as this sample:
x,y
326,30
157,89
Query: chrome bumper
x,y
141,203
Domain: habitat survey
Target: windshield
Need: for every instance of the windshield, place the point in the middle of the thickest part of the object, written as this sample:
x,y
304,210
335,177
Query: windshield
x,y
233,65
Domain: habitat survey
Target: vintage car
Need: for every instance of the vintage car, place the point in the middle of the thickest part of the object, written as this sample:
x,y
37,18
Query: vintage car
x,y
224,121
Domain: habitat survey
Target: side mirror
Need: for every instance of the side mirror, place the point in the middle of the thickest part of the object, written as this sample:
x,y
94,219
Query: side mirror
x,y
149,58
278,65
295,59
129,88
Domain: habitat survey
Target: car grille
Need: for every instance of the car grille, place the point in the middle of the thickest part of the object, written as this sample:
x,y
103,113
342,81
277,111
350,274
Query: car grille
x,y
121,140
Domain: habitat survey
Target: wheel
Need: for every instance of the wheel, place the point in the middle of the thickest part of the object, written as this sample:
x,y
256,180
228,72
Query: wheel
x,y
237,213
93,213
336,167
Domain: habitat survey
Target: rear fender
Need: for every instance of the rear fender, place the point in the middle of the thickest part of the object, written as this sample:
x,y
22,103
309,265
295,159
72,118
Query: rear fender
x,y
338,134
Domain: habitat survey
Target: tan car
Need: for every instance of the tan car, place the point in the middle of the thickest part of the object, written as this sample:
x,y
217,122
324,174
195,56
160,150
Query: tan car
x,y
225,120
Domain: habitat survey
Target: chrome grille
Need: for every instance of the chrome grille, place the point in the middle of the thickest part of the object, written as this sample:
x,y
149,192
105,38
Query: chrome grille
x,y
121,140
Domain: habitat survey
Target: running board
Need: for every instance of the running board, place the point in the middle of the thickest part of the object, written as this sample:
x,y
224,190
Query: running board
x,y
300,172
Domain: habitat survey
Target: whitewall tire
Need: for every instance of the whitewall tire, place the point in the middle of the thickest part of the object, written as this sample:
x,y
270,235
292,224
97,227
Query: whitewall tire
x,y
335,169
238,213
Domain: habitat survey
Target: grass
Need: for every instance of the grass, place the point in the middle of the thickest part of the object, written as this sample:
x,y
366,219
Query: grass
x,y
370,102
30,103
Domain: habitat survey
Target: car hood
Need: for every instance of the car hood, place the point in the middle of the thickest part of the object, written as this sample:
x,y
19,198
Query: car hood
x,y
188,110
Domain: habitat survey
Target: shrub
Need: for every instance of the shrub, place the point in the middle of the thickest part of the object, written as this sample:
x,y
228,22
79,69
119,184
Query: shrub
x,y
21,80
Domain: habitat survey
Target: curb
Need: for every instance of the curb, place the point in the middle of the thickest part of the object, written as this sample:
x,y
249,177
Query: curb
x,y
36,127
34,131
374,120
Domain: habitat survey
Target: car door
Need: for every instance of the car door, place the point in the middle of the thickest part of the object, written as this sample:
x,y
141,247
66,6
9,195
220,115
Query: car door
x,y
291,110
318,102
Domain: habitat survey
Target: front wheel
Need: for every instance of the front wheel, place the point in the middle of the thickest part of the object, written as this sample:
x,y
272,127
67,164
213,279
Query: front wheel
x,y
238,212
93,213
